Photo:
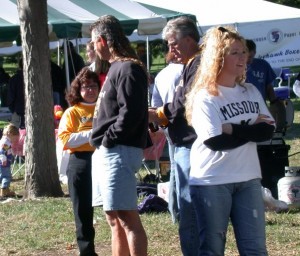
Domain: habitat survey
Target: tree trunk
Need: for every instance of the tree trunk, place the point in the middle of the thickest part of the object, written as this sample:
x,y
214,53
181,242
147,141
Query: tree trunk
x,y
41,174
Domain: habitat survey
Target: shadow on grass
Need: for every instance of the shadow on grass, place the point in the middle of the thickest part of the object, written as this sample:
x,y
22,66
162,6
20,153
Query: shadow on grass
x,y
293,132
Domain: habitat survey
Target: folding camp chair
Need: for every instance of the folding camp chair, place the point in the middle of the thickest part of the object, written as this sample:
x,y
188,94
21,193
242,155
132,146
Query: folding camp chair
x,y
18,153
154,152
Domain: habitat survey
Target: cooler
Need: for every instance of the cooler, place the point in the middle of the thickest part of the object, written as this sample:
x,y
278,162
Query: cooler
x,y
163,190
273,157
282,92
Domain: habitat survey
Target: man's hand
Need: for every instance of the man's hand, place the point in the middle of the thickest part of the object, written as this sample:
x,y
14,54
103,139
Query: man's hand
x,y
153,118
156,116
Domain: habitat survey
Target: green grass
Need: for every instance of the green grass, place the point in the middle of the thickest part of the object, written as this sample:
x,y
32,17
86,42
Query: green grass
x,y
295,69
10,68
158,64
2,124
292,136
46,227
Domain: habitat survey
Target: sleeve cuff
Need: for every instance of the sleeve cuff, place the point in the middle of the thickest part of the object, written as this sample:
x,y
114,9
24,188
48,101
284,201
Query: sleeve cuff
x,y
161,116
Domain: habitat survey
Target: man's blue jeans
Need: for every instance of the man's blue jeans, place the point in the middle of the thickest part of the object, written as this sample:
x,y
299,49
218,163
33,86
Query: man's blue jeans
x,y
188,231
172,205
241,203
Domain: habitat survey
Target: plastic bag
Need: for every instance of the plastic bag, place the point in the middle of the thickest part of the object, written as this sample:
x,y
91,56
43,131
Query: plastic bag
x,y
154,204
296,88
271,204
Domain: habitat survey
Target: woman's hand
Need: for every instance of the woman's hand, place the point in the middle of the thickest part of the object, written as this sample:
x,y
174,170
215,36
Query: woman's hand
x,y
227,128
264,119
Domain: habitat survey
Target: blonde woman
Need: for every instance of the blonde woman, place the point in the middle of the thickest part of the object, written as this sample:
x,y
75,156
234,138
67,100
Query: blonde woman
x,y
229,117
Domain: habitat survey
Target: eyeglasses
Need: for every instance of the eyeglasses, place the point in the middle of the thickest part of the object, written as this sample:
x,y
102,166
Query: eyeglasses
x,y
90,87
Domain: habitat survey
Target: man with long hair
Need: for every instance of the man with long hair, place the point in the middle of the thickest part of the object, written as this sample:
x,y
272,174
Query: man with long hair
x,y
120,134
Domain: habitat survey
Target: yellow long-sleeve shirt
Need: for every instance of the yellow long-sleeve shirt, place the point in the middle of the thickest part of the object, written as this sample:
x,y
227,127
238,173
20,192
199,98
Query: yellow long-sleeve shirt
x,y
75,126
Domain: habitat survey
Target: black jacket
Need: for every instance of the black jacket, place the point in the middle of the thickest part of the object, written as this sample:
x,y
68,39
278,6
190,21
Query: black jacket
x,y
16,93
121,113
180,132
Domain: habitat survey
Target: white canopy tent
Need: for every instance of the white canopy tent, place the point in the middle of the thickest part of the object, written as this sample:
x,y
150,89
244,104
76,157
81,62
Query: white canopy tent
x,y
69,19
274,28
72,18
5,51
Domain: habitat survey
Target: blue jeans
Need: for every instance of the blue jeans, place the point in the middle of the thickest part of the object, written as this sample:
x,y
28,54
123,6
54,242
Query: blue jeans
x,y
172,205
188,230
5,176
241,203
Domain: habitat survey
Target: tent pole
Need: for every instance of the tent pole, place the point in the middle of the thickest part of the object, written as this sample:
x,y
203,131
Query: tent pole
x,y
58,54
77,45
148,52
66,63
236,25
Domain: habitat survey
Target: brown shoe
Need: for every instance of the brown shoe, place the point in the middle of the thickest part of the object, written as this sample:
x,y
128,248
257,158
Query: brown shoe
x,y
6,192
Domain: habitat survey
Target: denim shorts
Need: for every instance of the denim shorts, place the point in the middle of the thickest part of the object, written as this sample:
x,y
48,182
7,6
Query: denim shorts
x,y
114,177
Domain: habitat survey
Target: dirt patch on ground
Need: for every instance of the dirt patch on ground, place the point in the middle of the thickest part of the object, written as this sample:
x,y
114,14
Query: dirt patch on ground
x,y
101,250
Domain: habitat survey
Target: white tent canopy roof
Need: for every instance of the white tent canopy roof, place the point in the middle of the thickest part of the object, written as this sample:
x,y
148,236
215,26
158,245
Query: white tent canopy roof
x,y
214,12
273,27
